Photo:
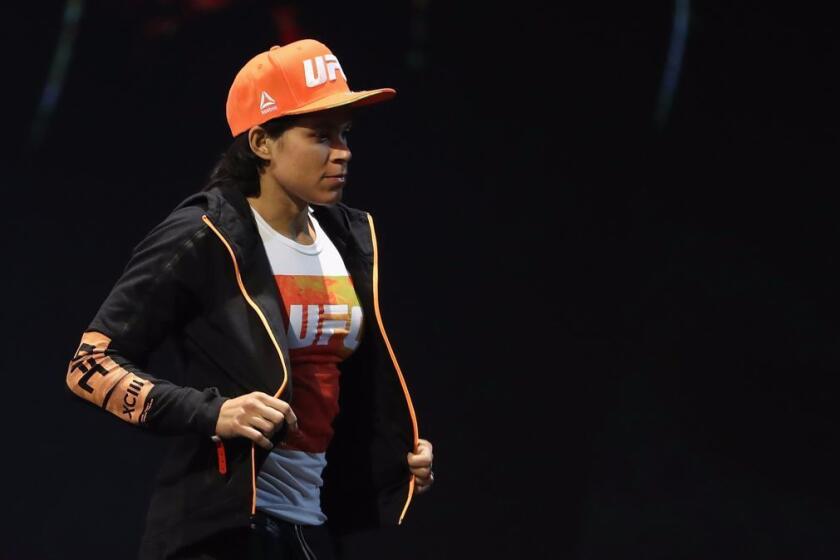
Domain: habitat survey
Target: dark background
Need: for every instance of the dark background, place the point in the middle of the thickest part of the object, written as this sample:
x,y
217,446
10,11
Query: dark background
x,y
620,332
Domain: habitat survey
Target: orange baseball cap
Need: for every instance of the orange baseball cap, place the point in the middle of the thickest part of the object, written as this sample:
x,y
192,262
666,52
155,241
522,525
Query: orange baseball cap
x,y
301,77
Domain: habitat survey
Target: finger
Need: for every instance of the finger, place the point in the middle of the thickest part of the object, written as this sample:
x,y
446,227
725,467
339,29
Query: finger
x,y
423,485
424,482
263,425
418,460
255,436
423,472
272,415
424,448
281,406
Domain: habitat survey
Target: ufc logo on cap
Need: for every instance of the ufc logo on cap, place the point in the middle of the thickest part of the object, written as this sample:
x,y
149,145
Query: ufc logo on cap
x,y
326,66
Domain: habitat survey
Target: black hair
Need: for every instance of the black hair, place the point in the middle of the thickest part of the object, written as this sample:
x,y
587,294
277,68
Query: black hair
x,y
239,167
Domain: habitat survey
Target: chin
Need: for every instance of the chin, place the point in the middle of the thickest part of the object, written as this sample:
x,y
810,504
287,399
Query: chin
x,y
336,198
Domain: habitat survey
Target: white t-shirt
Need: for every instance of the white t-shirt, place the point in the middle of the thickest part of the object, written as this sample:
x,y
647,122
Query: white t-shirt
x,y
323,320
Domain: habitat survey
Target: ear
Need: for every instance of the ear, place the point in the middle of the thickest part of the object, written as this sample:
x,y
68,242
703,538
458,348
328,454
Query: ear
x,y
260,142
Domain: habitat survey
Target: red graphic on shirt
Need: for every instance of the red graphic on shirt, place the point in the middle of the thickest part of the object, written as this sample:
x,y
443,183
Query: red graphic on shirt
x,y
323,320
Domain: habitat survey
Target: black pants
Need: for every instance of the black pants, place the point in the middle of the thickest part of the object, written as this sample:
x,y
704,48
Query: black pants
x,y
268,538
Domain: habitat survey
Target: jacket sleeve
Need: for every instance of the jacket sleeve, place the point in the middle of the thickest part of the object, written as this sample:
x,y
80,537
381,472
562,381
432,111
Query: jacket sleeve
x,y
157,293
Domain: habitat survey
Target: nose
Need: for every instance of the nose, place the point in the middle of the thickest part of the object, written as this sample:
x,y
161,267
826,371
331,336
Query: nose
x,y
342,153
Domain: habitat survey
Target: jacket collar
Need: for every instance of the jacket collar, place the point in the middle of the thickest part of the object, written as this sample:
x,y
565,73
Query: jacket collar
x,y
348,228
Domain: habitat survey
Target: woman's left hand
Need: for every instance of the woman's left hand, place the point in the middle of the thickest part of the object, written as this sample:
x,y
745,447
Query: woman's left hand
x,y
420,465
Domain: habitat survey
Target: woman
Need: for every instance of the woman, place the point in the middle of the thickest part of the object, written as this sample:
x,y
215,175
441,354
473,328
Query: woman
x,y
267,283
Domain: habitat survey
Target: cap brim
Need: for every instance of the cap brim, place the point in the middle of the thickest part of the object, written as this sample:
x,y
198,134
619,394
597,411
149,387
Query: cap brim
x,y
354,98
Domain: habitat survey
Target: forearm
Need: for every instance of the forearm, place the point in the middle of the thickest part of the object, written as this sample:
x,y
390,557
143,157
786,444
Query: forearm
x,y
101,375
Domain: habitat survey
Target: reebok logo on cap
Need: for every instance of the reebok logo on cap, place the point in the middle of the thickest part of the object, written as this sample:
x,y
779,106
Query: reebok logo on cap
x,y
267,103
303,77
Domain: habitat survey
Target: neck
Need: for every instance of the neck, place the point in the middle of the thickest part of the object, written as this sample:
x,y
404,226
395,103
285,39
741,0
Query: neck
x,y
286,214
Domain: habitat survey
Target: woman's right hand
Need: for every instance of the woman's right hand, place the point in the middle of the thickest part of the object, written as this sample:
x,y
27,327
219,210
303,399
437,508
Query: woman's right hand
x,y
256,416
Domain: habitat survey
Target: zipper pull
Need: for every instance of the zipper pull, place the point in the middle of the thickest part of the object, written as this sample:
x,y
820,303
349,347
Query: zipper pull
x,y
220,454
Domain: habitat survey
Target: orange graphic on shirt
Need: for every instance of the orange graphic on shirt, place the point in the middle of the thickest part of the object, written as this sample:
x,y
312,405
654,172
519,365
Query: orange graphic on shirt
x,y
323,320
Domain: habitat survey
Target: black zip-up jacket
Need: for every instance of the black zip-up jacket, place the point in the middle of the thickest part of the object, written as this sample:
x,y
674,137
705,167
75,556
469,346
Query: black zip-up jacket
x,y
202,276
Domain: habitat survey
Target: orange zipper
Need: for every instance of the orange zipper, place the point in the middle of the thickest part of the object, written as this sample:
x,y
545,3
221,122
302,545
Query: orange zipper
x,y
256,308
393,359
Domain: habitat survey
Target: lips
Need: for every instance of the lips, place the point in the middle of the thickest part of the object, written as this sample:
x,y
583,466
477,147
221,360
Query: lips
x,y
337,181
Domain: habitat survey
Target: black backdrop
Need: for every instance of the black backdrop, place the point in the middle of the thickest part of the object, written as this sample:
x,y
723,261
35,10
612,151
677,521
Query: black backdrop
x,y
620,334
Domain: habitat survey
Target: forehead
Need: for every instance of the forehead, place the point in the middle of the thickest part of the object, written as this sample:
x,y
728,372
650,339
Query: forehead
x,y
340,116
